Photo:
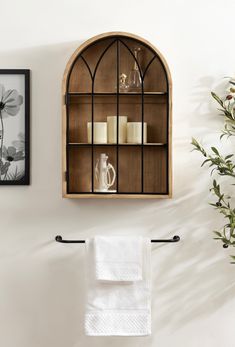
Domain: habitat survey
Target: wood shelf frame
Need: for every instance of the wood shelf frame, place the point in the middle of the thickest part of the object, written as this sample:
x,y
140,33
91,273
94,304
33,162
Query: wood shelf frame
x,y
90,92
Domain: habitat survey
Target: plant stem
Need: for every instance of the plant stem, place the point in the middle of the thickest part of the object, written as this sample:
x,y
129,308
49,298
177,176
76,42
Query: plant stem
x,y
4,179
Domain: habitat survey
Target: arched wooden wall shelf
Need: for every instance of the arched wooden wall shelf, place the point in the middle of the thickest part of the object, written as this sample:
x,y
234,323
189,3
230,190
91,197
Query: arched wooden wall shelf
x,y
91,93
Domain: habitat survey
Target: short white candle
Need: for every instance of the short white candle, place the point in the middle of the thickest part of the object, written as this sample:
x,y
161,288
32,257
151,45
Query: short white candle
x,y
112,129
100,132
134,132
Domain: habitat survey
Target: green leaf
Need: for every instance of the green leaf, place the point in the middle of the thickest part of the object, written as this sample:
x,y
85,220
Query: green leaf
x,y
217,98
205,161
217,233
215,150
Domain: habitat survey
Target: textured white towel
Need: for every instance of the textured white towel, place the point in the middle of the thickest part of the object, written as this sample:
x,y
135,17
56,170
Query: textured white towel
x,y
118,308
118,258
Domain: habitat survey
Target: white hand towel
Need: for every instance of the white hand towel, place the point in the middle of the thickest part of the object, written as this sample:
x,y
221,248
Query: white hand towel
x,y
118,258
118,308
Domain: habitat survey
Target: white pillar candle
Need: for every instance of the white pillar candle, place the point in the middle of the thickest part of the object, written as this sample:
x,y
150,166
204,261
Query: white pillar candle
x,y
134,132
112,129
100,132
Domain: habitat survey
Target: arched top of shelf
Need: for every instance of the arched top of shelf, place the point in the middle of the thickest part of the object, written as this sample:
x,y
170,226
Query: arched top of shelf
x,y
109,35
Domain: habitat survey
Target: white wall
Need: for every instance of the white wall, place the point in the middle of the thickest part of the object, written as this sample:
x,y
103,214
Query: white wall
x,y
41,281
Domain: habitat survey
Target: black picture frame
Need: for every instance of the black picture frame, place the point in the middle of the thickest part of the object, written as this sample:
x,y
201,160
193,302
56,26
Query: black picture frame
x,y
25,180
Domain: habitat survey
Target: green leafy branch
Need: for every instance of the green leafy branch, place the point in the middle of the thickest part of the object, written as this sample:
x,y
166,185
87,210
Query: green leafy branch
x,y
223,165
229,127
226,234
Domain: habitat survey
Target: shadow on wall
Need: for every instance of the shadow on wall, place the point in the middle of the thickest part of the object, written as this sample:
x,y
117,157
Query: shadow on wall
x,y
206,112
43,283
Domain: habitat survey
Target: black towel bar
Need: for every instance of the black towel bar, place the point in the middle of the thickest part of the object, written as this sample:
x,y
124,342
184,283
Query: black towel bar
x,y
59,238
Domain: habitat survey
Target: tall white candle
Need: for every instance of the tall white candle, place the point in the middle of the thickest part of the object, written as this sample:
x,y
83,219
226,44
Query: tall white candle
x,y
100,132
112,129
134,132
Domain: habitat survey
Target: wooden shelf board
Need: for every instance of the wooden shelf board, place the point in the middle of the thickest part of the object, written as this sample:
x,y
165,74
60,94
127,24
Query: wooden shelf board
x,y
113,94
114,144
117,196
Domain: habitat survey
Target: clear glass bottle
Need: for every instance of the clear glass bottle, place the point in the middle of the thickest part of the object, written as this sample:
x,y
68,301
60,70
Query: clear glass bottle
x,y
134,79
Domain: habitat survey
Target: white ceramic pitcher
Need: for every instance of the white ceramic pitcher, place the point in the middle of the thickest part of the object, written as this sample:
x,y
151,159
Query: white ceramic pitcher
x,y
103,173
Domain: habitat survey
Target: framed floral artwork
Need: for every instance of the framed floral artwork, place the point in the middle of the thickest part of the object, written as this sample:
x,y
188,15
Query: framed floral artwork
x,y
14,126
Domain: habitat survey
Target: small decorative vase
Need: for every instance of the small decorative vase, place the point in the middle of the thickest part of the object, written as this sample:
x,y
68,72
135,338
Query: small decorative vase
x,y
123,85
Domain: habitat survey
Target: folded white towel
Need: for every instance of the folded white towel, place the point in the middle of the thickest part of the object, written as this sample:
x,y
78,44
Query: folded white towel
x,y
118,258
118,308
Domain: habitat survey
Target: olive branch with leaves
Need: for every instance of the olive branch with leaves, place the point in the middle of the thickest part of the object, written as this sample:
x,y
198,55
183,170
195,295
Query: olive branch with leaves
x,y
222,166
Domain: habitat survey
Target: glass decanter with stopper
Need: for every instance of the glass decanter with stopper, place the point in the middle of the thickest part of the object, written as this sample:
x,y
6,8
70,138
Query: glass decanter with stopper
x,y
134,79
